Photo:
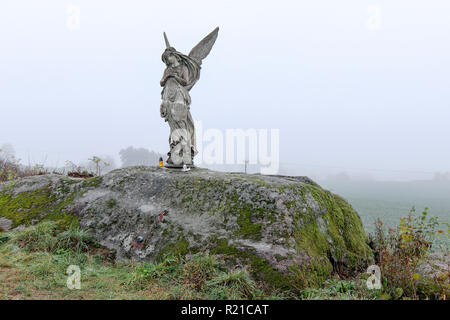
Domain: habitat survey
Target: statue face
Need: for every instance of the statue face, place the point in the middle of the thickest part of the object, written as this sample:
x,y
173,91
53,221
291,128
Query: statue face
x,y
172,60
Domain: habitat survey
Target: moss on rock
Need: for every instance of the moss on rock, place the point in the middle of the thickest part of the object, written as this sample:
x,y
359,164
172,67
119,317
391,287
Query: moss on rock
x,y
42,204
258,267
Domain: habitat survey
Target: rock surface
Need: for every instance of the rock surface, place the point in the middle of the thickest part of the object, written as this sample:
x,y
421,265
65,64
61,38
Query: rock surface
x,y
5,224
285,230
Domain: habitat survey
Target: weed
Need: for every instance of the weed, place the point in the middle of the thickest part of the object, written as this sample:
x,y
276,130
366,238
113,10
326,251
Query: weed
x,y
401,251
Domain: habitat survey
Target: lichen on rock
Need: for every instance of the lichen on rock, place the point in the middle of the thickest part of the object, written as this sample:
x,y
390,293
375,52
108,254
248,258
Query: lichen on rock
x,y
287,231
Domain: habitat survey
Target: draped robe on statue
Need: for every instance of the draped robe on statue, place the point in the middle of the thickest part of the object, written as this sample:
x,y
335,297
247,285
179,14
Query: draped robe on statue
x,y
175,108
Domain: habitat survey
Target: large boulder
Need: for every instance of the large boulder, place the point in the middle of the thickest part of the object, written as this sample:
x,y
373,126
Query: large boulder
x,y
287,231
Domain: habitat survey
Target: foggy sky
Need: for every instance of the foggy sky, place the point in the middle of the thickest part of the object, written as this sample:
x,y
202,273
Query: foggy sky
x,y
343,95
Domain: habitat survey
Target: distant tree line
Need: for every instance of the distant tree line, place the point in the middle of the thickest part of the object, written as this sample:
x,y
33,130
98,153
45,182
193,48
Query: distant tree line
x,y
138,157
11,168
442,176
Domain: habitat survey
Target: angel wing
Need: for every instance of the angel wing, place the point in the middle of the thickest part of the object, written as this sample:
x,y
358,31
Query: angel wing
x,y
203,48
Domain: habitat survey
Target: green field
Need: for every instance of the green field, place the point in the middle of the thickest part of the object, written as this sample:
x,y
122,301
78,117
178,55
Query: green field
x,y
391,201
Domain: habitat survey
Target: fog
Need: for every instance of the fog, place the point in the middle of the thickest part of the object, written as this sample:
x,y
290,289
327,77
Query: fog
x,y
353,86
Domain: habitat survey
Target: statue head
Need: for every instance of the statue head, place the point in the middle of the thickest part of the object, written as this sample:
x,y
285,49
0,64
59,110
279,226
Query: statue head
x,y
170,57
174,58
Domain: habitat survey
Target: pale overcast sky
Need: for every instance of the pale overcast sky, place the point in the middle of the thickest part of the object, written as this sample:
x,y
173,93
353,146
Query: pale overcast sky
x,y
346,89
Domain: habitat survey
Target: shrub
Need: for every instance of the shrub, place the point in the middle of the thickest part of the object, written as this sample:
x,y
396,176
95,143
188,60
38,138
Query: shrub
x,y
401,251
11,169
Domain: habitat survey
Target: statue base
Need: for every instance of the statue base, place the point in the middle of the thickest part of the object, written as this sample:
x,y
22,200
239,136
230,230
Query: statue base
x,y
178,167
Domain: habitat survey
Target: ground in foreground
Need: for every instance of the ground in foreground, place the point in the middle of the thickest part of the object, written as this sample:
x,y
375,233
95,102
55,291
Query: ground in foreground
x,y
34,263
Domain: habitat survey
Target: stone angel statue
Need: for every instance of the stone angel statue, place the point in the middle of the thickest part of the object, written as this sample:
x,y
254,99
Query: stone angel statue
x,y
181,73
